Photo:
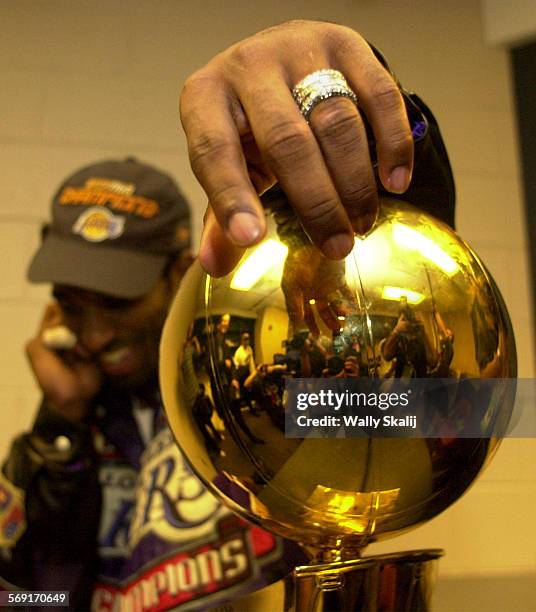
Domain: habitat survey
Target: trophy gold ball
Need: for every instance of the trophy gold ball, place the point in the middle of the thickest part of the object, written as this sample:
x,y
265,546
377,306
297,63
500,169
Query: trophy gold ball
x,y
307,316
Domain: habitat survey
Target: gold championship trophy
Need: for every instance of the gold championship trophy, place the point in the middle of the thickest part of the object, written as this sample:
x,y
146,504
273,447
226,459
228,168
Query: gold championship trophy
x,y
411,303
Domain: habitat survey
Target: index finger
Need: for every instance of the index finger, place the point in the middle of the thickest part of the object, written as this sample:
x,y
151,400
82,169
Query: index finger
x,y
217,254
218,162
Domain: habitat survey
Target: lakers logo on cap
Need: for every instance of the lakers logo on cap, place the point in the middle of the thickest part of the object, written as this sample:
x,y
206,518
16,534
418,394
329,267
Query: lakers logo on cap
x,y
98,224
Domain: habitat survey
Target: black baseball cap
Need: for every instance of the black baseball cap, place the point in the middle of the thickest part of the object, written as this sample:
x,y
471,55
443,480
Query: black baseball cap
x,y
114,226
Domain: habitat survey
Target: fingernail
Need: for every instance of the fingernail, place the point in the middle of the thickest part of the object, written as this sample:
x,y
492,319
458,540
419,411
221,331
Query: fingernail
x,y
338,246
362,225
398,180
244,228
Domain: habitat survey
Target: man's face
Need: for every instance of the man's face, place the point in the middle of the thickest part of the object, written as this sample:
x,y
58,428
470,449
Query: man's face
x,y
224,323
121,336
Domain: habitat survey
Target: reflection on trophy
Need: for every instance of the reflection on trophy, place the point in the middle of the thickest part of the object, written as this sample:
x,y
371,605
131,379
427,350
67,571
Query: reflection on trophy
x,y
412,301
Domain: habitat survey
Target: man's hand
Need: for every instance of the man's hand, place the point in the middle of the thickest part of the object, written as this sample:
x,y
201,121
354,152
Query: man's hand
x,y
404,325
68,379
245,132
310,278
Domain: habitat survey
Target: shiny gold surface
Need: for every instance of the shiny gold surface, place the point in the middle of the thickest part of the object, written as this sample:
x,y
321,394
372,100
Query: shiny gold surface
x,y
411,300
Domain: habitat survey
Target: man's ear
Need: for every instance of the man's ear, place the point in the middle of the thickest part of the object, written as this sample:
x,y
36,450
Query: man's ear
x,y
178,269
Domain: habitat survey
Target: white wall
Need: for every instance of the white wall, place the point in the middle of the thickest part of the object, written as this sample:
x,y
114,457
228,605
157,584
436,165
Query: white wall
x,y
82,80
509,23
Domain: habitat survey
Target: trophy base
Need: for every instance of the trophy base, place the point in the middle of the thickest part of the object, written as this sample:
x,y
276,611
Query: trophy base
x,y
387,583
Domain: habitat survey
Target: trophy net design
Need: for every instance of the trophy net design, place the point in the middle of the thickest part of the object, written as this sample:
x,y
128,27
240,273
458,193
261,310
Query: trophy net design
x,y
411,301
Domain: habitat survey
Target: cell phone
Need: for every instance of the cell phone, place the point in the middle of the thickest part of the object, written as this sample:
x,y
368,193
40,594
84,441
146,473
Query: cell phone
x,y
59,338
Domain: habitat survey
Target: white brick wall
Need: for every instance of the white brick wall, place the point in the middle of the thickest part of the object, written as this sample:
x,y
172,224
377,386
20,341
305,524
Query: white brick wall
x,y
85,80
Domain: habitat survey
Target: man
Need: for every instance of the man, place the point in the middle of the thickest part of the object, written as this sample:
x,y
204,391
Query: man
x,y
112,511
224,346
97,499
243,358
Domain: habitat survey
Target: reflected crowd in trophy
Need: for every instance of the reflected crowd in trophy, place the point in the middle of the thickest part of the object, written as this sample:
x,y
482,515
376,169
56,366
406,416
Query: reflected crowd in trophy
x,y
407,344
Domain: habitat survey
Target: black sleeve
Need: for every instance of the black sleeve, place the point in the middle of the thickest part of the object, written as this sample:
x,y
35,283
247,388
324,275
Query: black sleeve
x,y
432,185
49,484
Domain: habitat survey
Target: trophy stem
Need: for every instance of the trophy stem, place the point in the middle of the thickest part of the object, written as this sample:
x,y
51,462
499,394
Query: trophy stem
x,y
387,583
334,552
